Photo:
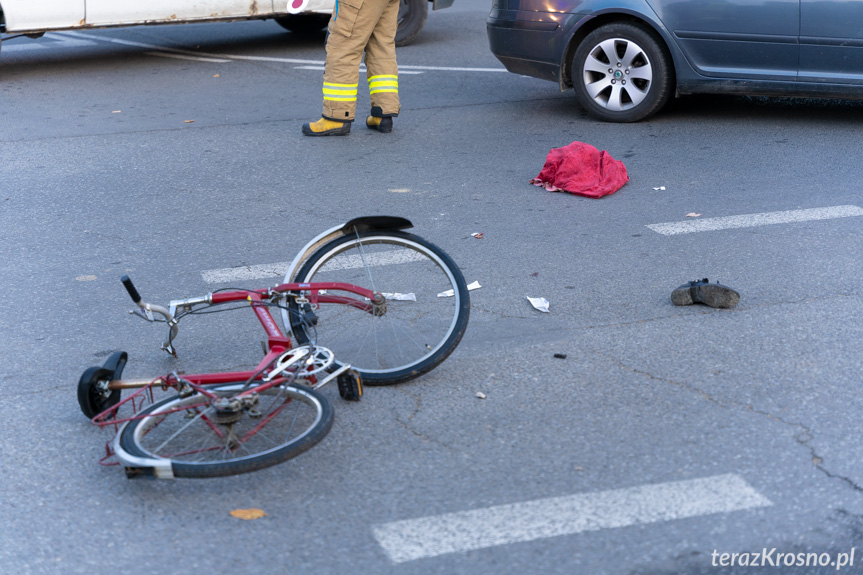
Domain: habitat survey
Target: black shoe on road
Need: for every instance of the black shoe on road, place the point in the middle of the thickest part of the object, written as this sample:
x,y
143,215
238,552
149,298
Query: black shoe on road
x,y
702,291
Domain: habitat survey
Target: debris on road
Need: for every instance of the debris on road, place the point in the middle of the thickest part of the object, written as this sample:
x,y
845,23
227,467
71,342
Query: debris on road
x,y
583,170
692,215
477,235
480,395
560,355
704,292
539,303
660,189
248,514
451,293
396,296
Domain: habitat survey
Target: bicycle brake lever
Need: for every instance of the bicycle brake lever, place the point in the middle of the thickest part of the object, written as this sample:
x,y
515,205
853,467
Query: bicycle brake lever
x,y
142,313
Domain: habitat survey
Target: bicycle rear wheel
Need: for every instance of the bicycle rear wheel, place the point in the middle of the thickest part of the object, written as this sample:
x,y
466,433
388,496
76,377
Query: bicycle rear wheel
x,y
419,327
201,438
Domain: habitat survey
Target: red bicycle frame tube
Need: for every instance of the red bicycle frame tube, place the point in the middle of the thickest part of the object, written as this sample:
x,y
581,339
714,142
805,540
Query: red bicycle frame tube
x,y
277,342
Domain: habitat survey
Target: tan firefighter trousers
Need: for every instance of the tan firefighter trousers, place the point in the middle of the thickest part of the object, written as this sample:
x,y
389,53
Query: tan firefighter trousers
x,y
359,26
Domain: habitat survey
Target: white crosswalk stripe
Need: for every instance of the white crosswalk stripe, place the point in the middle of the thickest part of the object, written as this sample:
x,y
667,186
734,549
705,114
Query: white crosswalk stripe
x,y
755,220
414,539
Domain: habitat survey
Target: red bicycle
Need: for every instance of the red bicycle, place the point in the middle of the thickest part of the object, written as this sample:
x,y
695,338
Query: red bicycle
x,y
389,306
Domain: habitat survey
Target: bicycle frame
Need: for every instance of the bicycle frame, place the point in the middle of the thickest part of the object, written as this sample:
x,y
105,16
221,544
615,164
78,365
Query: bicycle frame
x,y
257,380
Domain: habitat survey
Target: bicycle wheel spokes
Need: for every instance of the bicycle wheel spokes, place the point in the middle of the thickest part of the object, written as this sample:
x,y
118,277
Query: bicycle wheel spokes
x,y
414,331
216,440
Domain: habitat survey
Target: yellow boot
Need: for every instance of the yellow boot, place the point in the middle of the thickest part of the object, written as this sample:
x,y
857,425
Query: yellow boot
x,y
325,127
384,125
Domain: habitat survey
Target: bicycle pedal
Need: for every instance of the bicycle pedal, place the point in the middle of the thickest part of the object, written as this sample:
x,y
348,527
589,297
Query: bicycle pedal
x,y
350,385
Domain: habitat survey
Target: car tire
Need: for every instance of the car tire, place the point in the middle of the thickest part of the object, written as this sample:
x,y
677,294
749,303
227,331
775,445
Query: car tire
x,y
621,73
304,23
412,18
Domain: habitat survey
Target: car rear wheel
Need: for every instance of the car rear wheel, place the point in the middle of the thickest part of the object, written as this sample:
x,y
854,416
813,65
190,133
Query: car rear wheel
x,y
621,73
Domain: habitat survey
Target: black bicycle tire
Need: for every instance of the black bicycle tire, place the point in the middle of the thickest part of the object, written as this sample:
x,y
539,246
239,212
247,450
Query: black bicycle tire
x,y
242,465
410,371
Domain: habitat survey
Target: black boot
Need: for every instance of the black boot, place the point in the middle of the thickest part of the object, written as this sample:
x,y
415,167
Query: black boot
x,y
714,295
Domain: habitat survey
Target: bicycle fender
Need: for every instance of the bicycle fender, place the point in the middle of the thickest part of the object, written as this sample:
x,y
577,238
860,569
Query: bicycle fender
x,y
360,224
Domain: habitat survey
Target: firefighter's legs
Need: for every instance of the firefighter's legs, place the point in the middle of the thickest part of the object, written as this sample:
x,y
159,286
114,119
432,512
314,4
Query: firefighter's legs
x,y
382,70
351,32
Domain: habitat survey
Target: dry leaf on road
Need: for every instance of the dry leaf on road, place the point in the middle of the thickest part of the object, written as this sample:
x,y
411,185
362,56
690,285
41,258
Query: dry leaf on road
x,y
248,514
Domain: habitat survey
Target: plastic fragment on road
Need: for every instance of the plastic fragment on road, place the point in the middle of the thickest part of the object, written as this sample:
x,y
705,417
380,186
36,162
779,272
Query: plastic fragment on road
x,y
660,189
451,293
477,235
248,514
539,303
400,296
560,355
583,170
480,395
692,215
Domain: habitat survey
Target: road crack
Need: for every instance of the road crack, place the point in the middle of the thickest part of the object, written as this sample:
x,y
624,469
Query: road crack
x,y
803,434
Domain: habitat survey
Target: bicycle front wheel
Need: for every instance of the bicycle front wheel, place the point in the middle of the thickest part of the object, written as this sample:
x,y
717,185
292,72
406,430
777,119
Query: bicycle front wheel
x,y
424,318
203,437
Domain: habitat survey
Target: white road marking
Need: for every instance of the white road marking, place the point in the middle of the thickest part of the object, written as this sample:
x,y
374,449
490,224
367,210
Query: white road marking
x,y
184,57
279,269
754,220
27,44
404,68
362,70
257,272
413,539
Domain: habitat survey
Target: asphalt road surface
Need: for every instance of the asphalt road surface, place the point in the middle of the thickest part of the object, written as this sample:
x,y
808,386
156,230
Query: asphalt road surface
x,y
667,437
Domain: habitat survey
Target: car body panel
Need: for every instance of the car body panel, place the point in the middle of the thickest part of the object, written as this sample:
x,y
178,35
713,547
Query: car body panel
x,y
20,15
831,41
111,12
735,38
30,16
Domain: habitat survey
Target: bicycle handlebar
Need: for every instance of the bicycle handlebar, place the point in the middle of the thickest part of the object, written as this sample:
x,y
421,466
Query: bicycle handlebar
x,y
149,309
130,287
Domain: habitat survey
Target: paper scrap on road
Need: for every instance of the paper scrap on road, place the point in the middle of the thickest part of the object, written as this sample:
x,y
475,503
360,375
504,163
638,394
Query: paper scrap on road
x,y
660,188
451,293
400,296
539,303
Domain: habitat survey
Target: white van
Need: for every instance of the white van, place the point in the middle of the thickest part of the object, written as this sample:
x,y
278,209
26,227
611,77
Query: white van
x,y
35,17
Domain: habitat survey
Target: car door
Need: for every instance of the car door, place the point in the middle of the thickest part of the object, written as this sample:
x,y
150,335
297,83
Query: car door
x,y
107,12
831,41
736,38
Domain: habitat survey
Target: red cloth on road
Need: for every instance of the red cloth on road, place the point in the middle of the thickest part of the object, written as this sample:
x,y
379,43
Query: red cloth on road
x,y
581,169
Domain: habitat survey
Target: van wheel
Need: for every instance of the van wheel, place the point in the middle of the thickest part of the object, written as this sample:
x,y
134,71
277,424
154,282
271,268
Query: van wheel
x,y
412,18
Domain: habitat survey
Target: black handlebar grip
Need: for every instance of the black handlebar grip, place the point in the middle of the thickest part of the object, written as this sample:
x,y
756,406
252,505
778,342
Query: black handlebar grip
x,y
130,287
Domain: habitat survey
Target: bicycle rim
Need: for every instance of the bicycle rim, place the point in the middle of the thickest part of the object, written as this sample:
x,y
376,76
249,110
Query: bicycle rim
x,y
201,441
422,323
